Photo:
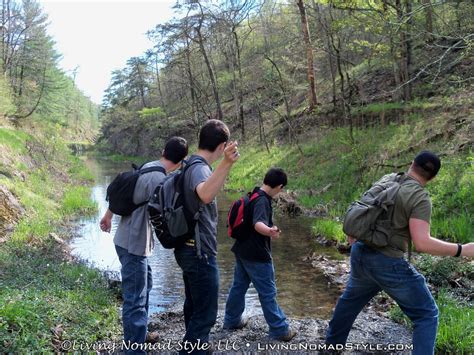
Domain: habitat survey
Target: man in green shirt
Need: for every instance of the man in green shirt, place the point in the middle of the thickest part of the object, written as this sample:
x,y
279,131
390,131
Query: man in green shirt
x,y
374,269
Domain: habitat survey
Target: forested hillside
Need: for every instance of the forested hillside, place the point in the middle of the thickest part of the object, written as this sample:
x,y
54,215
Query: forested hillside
x,y
34,91
293,65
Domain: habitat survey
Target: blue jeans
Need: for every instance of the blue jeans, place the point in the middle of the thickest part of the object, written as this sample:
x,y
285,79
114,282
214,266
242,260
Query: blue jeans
x,y
136,286
262,276
371,272
201,285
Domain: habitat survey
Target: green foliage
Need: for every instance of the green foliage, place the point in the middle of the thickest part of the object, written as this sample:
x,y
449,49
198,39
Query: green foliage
x,y
151,112
6,103
76,199
333,172
41,292
456,324
79,171
328,229
445,272
15,139
452,193
40,289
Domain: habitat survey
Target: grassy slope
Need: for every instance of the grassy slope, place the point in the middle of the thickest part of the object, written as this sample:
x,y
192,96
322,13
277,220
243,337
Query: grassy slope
x,y
46,297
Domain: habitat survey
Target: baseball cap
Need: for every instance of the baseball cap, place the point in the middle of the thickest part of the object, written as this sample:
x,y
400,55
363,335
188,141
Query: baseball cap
x,y
428,161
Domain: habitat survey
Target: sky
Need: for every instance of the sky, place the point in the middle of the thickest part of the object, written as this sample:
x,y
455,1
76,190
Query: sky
x,y
97,37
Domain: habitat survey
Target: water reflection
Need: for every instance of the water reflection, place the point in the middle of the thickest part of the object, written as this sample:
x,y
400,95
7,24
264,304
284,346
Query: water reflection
x,y
302,291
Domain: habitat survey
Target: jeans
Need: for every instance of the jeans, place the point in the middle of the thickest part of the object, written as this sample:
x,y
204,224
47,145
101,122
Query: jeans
x,y
201,285
136,286
262,276
371,272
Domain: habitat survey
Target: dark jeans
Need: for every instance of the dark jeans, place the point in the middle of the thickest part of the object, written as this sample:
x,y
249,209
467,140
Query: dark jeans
x,y
262,276
136,287
371,272
201,284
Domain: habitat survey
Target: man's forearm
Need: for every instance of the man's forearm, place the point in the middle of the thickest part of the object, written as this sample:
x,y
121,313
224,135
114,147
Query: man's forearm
x,y
108,214
435,246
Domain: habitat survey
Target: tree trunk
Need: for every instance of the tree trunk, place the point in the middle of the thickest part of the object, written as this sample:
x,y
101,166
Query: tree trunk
x,y
309,55
191,87
240,84
405,46
210,70
429,19
330,53
409,49
158,82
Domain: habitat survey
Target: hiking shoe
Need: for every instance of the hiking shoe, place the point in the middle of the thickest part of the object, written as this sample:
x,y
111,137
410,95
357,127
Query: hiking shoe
x,y
243,322
152,337
290,334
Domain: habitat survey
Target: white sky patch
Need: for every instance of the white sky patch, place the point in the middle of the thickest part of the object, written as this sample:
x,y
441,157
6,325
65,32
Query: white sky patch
x,y
100,36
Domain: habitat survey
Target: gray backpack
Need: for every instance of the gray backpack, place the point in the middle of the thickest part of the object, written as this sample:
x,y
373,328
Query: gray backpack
x,y
370,218
172,220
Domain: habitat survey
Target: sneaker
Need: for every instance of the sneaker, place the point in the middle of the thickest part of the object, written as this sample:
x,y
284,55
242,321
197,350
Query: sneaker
x,y
290,334
152,337
243,322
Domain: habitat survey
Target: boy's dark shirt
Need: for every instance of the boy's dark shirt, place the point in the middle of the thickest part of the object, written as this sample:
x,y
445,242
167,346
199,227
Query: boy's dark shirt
x,y
257,247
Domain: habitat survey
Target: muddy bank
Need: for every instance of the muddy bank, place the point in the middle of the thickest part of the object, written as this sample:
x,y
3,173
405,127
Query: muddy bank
x,y
335,271
369,328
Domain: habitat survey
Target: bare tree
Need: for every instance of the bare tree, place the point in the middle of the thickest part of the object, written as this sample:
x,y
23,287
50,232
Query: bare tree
x,y
309,55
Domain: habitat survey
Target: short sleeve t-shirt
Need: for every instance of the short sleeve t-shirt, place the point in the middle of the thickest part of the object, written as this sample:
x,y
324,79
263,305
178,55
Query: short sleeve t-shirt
x,y
134,232
197,174
257,247
412,201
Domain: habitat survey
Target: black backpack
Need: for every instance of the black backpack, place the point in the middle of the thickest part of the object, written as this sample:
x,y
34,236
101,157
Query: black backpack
x,y
239,218
170,216
121,189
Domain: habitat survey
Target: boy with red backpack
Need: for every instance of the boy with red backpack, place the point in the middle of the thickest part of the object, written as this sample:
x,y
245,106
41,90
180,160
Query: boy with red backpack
x,y
254,261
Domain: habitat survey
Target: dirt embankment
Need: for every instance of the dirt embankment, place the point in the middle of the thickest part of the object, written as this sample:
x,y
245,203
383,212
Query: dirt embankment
x,y
10,212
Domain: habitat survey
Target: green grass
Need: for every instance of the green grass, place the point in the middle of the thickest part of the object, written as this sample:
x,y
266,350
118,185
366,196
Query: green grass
x,y
15,139
442,272
332,171
40,288
452,193
79,171
329,229
40,292
76,199
456,324
379,107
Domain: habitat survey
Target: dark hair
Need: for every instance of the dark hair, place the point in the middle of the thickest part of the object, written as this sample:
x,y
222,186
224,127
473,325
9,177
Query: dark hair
x,y
176,149
213,133
427,164
275,177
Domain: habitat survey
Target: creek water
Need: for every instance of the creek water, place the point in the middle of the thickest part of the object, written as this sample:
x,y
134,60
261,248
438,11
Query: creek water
x,y
302,290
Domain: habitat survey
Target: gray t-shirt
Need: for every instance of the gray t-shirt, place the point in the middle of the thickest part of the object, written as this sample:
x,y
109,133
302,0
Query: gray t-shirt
x,y
197,174
135,232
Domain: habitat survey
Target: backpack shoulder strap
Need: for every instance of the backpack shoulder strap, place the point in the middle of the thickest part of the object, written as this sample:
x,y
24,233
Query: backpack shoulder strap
x,y
151,169
256,195
196,160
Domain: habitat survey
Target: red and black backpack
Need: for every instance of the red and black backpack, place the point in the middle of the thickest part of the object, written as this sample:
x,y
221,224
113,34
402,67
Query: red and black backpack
x,y
239,218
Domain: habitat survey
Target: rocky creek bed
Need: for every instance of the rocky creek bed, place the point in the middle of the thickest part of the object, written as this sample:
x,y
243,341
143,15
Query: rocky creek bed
x,y
167,330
